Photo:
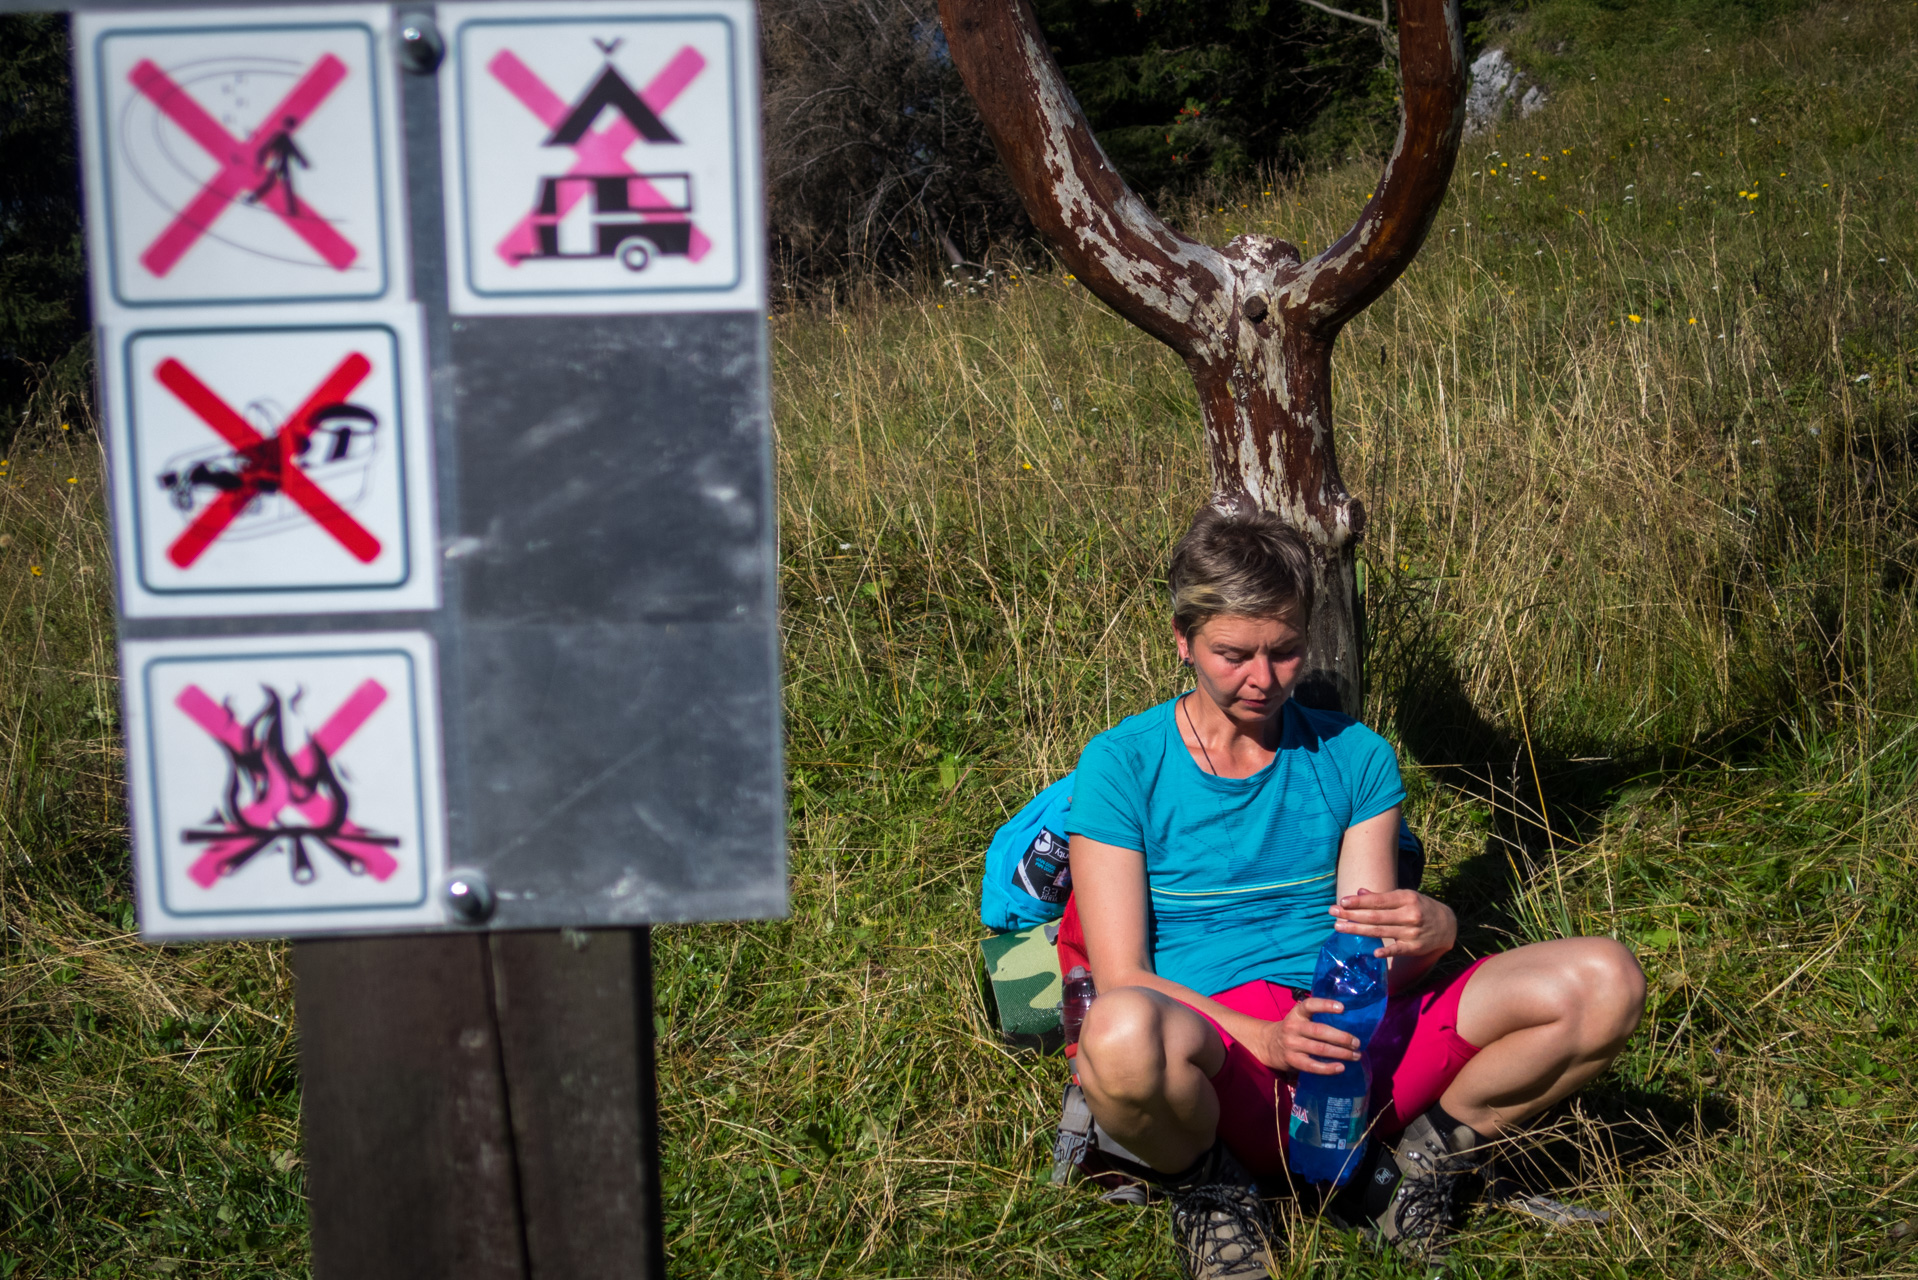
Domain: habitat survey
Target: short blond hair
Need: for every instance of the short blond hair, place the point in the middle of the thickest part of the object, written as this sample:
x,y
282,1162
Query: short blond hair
x,y
1248,564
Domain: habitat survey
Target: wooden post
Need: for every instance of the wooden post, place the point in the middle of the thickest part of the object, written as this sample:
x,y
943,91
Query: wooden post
x,y
481,1107
1253,321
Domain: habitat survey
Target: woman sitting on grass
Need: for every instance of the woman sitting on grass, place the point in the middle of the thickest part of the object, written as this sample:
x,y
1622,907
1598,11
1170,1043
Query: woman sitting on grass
x,y
1217,840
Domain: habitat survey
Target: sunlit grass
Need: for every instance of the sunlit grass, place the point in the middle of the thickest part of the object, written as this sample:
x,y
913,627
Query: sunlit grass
x,y
1640,598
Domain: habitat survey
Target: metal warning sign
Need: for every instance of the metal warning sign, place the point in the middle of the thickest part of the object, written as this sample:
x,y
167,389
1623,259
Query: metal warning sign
x,y
241,157
432,366
279,469
279,780
600,158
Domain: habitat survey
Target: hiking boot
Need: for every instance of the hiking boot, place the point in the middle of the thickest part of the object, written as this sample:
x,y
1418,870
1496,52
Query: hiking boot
x,y
1415,1191
1221,1229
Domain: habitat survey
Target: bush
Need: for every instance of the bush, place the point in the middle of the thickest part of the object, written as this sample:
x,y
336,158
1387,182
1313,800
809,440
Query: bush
x,y
874,152
43,308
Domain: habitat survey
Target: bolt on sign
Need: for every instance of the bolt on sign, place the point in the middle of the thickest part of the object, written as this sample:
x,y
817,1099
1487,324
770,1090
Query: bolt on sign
x,y
433,382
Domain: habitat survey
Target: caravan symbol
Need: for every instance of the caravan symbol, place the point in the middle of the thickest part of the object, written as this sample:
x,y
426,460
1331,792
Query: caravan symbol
x,y
625,216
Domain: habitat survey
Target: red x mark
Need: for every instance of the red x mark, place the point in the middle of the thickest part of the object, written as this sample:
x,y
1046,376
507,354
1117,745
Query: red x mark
x,y
267,464
243,164
280,793
595,153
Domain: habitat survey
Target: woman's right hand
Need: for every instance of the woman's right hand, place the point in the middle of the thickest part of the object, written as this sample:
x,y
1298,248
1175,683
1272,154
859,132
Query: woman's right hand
x,y
1296,1043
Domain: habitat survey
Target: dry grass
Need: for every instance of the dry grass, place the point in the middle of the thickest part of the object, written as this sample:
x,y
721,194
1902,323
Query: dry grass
x,y
1641,601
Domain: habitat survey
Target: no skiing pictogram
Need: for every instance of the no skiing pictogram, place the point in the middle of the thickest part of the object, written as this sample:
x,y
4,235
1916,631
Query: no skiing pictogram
x,y
257,169
600,168
268,464
276,796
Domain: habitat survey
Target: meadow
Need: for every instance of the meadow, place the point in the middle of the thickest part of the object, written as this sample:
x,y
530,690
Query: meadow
x,y
1637,434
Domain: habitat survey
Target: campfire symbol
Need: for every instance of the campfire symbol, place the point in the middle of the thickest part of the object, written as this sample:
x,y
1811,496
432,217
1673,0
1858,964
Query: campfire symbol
x,y
292,799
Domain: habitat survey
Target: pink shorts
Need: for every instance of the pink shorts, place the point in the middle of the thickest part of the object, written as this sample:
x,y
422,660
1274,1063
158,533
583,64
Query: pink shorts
x,y
1417,1051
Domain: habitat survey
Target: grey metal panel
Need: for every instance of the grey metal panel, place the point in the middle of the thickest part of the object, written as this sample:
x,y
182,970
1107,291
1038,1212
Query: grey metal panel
x,y
623,774
613,469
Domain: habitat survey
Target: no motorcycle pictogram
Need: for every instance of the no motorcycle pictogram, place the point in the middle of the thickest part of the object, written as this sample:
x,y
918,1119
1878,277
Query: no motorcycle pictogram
x,y
241,162
598,160
274,469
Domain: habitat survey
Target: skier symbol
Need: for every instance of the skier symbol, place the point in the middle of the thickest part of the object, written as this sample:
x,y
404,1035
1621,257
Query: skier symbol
x,y
276,157
628,215
249,167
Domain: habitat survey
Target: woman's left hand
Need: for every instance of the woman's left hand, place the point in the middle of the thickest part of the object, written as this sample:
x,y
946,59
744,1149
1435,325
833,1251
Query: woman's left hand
x,y
1411,923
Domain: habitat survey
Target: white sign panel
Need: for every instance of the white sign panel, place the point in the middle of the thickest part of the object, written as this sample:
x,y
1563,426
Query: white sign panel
x,y
240,156
601,157
271,470
286,785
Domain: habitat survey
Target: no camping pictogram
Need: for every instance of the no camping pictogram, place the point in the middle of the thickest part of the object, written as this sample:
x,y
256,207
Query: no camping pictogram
x,y
601,155
267,464
633,214
273,797
257,169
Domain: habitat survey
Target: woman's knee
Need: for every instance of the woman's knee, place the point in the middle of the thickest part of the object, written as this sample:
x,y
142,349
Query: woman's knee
x,y
1123,1049
1607,989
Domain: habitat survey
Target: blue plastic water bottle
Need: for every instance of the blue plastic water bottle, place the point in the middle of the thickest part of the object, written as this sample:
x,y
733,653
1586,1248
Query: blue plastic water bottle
x,y
1327,1130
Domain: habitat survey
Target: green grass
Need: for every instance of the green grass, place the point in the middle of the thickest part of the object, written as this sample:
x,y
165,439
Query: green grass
x,y
1642,619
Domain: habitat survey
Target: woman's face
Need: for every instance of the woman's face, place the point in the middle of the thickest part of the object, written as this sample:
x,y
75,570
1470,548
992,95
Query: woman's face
x,y
1247,666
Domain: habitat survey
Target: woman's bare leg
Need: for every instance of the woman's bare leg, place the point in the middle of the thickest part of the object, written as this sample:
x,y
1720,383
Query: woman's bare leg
x,y
1145,1062
1549,1018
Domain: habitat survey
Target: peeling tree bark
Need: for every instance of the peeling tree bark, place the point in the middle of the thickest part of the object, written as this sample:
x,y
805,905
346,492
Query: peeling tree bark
x,y
1254,322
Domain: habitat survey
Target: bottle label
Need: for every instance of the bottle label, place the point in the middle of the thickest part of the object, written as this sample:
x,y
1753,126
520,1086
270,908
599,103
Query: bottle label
x,y
1339,1126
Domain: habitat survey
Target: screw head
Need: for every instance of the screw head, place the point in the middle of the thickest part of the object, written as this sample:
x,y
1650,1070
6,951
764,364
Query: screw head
x,y
420,45
469,896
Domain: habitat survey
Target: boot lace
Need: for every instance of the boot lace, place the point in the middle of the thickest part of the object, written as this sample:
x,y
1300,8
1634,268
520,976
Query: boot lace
x,y
1222,1230
1428,1201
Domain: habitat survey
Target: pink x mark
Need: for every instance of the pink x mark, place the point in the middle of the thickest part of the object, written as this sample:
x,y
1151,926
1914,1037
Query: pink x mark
x,y
603,152
267,462
243,164
220,722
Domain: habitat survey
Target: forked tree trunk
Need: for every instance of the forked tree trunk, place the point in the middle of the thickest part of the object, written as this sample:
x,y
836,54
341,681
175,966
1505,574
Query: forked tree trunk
x,y
1254,322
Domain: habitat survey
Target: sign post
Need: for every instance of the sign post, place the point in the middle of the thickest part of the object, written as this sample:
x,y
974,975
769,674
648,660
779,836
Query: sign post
x,y
433,372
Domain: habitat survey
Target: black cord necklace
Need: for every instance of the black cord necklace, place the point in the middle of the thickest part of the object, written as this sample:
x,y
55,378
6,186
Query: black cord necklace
x,y
1209,766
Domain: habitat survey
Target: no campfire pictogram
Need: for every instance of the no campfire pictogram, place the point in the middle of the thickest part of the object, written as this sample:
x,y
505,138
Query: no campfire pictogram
x,y
276,797
287,783
271,465
257,168
600,155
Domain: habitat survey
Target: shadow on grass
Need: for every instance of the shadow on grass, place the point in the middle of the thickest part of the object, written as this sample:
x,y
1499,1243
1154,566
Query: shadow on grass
x,y
1609,1128
1543,798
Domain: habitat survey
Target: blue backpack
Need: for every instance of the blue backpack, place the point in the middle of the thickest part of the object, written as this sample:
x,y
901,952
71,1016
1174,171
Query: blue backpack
x,y
1029,873
1028,878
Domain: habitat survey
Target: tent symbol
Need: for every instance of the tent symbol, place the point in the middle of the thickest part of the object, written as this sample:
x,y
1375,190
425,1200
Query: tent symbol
x,y
628,216
610,90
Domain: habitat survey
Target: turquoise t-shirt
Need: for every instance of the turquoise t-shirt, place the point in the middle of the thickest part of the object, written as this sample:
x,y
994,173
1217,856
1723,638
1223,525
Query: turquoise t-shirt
x,y
1239,871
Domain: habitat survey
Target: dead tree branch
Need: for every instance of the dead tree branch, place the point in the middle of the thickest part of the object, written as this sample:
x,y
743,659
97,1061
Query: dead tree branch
x,y
1254,322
